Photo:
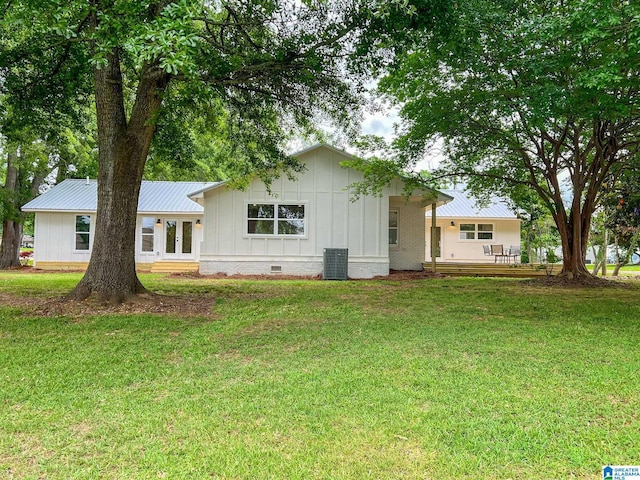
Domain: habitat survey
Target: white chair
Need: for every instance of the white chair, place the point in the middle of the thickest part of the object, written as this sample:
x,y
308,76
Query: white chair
x,y
515,252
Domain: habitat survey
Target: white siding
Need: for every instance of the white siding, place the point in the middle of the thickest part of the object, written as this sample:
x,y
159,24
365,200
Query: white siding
x,y
332,221
505,232
54,239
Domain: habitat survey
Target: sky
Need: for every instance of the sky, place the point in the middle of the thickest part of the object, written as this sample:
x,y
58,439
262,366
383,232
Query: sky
x,y
381,123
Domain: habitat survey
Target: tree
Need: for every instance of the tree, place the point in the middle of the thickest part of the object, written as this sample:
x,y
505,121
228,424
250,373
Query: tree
x,y
43,123
264,65
599,241
622,216
245,58
536,94
25,172
31,163
38,144
538,231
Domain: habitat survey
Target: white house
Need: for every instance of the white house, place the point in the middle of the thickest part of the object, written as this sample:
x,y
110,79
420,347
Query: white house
x,y
463,226
213,228
258,232
168,226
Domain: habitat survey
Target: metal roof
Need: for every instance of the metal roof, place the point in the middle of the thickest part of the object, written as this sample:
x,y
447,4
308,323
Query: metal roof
x,y
76,195
464,206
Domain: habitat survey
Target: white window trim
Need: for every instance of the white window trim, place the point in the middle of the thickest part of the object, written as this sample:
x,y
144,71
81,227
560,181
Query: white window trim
x,y
90,232
476,239
397,227
275,204
153,234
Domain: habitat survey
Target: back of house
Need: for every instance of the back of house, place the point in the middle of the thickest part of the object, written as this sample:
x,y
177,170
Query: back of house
x,y
464,226
167,227
284,229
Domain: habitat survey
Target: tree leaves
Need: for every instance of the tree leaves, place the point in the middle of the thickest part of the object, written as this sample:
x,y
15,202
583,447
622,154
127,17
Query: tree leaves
x,y
527,93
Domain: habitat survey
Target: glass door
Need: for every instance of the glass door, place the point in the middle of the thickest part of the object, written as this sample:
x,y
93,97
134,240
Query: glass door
x,y
178,238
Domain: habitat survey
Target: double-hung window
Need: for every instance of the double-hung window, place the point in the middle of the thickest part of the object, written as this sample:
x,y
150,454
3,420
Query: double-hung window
x,y
476,231
148,233
82,232
276,219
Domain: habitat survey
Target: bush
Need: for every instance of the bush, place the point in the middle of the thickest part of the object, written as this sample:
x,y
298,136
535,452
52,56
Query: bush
x,y
552,257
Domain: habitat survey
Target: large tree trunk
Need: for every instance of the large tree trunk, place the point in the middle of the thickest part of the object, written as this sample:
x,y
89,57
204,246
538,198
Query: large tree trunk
x,y
11,240
573,265
123,149
574,242
11,228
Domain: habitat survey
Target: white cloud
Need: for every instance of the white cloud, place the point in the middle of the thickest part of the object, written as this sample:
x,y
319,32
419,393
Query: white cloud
x,y
381,124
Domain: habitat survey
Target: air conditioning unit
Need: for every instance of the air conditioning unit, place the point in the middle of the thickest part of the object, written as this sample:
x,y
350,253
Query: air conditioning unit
x,y
336,264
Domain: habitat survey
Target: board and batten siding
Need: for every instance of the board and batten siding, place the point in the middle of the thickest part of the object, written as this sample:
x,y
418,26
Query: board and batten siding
x,y
332,221
54,240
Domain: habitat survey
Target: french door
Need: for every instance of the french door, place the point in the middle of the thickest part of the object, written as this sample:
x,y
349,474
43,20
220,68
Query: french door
x,y
179,241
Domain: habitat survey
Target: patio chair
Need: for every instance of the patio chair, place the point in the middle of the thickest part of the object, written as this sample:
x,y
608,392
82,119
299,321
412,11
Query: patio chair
x,y
487,250
498,253
514,251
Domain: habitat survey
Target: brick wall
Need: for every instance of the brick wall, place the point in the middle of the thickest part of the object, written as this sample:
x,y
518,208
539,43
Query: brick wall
x,y
409,253
298,267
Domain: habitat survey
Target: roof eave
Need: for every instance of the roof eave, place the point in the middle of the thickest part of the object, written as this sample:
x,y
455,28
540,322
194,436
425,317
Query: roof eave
x,y
200,193
58,210
441,215
316,146
428,195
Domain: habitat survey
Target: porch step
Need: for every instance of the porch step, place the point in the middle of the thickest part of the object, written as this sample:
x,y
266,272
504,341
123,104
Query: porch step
x,y
174,267
495,270
67,266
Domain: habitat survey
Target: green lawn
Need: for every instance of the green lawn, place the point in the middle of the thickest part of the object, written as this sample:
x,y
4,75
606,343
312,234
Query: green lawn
x,y
623,270
429,379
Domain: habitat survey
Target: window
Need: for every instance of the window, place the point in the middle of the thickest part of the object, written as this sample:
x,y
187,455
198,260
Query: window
x,y
485,231
275,219
83,227
467,231
393,227
472,231
148,233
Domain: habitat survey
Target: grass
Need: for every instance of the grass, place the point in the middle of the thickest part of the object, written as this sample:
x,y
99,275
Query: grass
x,y
625,269
450,378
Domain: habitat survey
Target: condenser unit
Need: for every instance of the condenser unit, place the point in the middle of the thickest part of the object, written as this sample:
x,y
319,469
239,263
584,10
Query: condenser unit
x,y
336,264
